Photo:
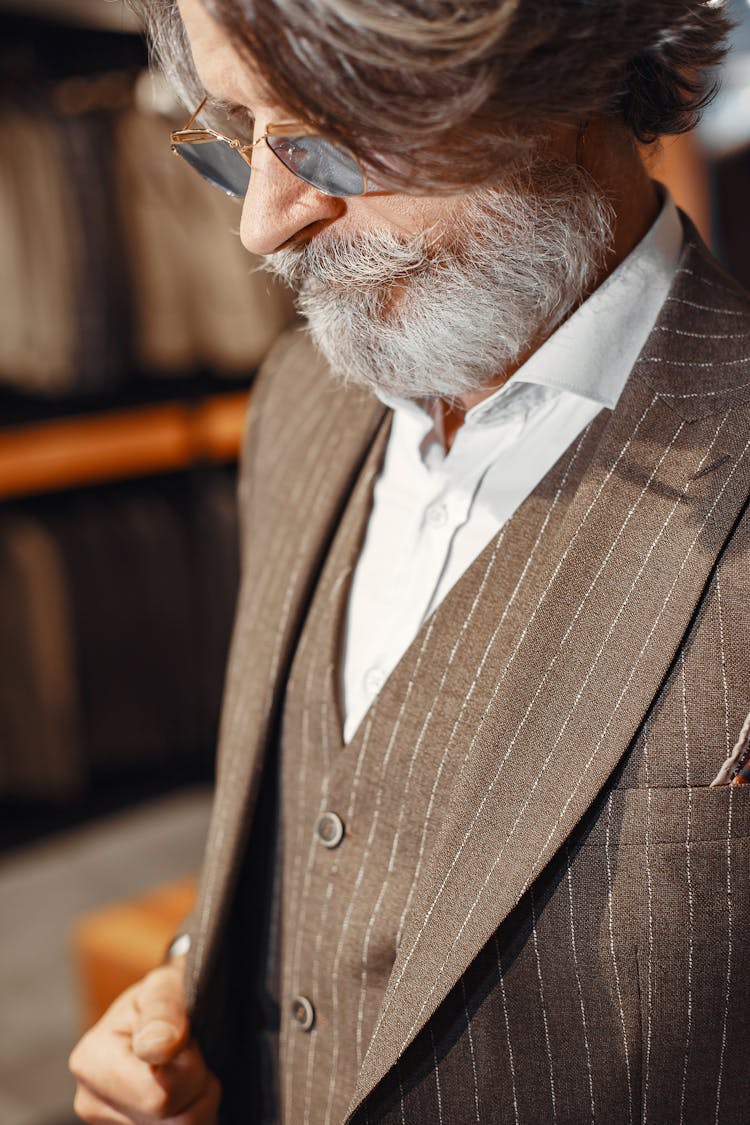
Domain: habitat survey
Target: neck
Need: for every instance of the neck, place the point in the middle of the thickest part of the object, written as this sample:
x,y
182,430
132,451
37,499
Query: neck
x,y
609,155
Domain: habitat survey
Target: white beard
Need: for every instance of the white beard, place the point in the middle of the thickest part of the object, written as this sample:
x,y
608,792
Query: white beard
x,y
443,316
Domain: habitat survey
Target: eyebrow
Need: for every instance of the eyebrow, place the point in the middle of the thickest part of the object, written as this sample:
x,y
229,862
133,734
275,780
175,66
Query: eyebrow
x,y
217,103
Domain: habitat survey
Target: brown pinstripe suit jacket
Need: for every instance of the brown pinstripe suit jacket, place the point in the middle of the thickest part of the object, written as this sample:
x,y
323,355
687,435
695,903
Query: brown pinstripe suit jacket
x,y
575,945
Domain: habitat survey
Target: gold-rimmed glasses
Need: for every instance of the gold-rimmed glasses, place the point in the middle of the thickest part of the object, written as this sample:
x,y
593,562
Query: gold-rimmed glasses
x,y
226,162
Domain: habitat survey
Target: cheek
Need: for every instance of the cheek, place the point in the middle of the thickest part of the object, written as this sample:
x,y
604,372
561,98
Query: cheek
x,y
403,214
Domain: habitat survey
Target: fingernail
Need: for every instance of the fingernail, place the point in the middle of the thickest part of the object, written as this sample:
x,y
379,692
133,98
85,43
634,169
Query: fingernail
x,y
158,1033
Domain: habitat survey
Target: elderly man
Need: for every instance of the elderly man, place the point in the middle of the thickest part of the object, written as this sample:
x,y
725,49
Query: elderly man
x,y
467,863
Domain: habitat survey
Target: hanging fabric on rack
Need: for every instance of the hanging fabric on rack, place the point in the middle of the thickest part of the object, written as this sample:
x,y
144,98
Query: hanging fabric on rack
x,y
116,614
114,263
102,344
38,277
128,571
40,733
198,298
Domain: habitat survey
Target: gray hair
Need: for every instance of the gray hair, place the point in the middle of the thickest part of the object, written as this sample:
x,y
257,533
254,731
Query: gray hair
x,y
439,94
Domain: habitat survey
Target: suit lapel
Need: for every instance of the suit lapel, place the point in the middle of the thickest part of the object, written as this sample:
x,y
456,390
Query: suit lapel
x,y
634,552
295,490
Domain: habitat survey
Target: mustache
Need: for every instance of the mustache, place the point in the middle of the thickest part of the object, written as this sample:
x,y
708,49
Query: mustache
x,y
368,258
442,311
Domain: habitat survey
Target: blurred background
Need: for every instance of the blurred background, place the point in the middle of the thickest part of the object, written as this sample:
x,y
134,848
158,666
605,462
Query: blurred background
x,y
131,323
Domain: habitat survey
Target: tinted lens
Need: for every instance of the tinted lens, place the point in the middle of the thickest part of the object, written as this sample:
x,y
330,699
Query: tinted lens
x,y
219,164
320,163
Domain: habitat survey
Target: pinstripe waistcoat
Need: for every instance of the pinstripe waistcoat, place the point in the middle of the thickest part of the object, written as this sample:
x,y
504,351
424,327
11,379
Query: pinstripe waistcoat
x,y
539,910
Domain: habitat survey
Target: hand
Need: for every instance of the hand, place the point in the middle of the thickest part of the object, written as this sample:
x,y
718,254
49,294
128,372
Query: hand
x,y
138,1064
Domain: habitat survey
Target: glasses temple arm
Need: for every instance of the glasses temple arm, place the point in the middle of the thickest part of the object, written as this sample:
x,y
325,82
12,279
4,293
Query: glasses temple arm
x,y
192,119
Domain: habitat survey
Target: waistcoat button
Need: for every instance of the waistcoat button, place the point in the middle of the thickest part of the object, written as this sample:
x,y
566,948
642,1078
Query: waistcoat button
x,y
303,1013
330,830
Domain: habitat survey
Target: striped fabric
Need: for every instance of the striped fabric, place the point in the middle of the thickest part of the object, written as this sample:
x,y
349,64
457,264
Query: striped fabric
x,y
345,910
538,908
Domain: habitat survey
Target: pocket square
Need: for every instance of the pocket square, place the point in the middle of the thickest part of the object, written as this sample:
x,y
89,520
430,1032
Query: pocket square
x,y
736,769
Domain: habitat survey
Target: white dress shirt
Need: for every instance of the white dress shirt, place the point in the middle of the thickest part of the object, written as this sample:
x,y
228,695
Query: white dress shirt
x,y
433,513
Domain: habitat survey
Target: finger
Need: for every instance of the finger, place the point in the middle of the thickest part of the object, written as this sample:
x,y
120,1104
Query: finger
x,y
122,1012
113,1030
106,1066
182,1082
161,1026
204,1110
94,1111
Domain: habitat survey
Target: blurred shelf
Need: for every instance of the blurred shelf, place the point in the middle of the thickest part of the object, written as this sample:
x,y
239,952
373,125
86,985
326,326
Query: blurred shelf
x,y
68,453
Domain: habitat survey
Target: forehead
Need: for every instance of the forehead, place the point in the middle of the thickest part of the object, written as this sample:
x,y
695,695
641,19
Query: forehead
x,y
222,70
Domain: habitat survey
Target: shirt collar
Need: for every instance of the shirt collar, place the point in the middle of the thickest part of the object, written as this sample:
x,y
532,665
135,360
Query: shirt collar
x,y
592,353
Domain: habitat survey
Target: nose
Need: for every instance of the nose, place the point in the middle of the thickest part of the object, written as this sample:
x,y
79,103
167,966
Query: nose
x,y
279,206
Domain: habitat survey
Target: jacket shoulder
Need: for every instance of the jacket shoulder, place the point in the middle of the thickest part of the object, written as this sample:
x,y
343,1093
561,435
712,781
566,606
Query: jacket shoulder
x,y
697,356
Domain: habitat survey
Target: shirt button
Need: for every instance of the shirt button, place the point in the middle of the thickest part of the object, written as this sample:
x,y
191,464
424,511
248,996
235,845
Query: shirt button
x,y
303,1013
330,830
437,515
373,681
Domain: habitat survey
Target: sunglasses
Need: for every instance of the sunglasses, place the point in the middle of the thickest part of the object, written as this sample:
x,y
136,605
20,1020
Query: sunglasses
x,y
226,162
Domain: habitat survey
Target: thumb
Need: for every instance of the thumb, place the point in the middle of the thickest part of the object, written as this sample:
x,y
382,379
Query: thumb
x,y
161,1028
